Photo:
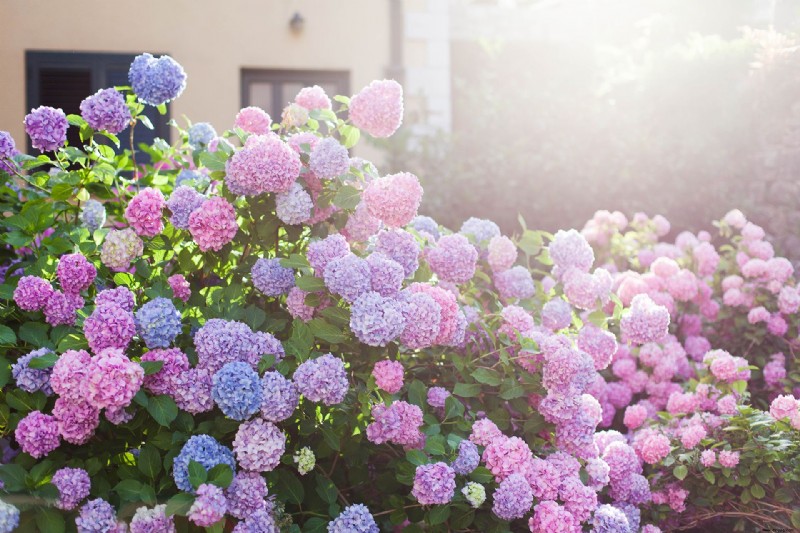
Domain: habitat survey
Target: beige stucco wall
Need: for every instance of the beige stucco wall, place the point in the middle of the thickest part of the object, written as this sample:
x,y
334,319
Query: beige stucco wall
x,y
213,40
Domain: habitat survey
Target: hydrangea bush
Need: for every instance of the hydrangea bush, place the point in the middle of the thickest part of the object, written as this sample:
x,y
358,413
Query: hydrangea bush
x,y
255,332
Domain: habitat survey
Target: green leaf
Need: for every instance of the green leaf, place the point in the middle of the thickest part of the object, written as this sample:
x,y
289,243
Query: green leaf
x,y
179,504
310,283
295,261
350,136
453,408
315,525
129,489
289,487
35,333
321,329
511,389
764,475
530,242
347,197
418,393
487,376
416,457
197,474
50,520
331,439
13,475
212,162
5,373
25,402
481,475
337,315
438,515
162,109
757,491
435,445
796,518
466,390
163,409
680,472
149,461
44,361
7,336
326,489
221,475
739,386
709,475
151,367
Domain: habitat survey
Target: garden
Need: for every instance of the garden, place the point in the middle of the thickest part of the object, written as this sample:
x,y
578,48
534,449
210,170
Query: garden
x,y
253,331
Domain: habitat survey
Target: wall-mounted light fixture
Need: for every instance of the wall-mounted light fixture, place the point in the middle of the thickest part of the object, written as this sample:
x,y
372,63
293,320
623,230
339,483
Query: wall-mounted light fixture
x,y
297,22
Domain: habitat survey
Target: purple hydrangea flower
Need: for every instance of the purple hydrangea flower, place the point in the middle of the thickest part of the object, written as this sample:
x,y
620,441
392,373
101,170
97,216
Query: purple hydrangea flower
x,y
400,246
423,316
246,494
354,519
32,379
106,110
322,379
32,293
320,253
260,521
398,423
47,128
271,278
437,396
468,458
481,230
294,206
156,81
73,486
191,390
279,397
329,159
453,258
434,484
97,516
387,274
75,273
223,341
184,201
259,445
427,225
109,326
191,178
376,320
206,451
8,149
609,519
513,498
121,296
516,282
158,323
236,390
348,276
209,507
153,520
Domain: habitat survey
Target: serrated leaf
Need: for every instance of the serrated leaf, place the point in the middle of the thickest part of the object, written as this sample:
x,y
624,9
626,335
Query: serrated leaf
x,y
416,457
149,461
129,489
197,474
35,333
310,283
212,162
487,376
151,367
680,472
709,475
326,489
7,336
295,261
466,390
481,475
757,491
315,525
322,329
50,520
179,504
289,487
438,515
221,475
435,445
43,361
5,373
417,393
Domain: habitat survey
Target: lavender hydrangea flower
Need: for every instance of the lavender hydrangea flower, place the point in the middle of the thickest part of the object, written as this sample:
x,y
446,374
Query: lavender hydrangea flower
x,y
516,282
481,230
609,519
209,507
437,396
468,458
73,486
120,296
279,397
192,178
258,445
47,128
354,519
201,134
8,149
294,206
206,451
236,390
513,498
348,276
434,484
271,278
260,521
106,110
376,320
322,379
224,341
329,159
156,81
400,246
246,494
387,274
96,516
321,253
32,379
453,258
184,201
158,323
427,225
423,316
93,215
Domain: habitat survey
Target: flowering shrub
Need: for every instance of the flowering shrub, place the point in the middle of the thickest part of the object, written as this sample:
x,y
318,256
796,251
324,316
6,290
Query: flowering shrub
x,y
256,332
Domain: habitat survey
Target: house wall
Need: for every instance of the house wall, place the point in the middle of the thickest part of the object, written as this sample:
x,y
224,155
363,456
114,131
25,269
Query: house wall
x,y
213,41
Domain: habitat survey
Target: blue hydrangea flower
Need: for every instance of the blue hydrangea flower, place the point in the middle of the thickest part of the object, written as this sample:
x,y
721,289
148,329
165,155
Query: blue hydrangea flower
x,y
427,225
32,379
236,390
192,178
93,215
354,519
329,159
156,81
201,134
106,110
205,450
294,206
9,517
271,278
468,458
481,230
158,323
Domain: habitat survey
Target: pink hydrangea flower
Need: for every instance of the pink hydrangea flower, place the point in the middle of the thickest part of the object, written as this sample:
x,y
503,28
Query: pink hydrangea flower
x,y
549,517
180,287
313,98
708,458
784,406
504,456
728,459
393,199
264,164
120,248
399,423
75,273
37,434
112,379
502,253
214,224
484,431
652,447
389,375
109,326
635,415
378,108
145,212
253,120
32,293
453,258
646,322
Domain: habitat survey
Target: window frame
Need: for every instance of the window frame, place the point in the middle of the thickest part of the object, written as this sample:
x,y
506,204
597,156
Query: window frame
x,y
306,77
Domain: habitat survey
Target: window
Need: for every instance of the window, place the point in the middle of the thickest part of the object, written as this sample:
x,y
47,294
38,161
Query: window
x,y
64,79
272,90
